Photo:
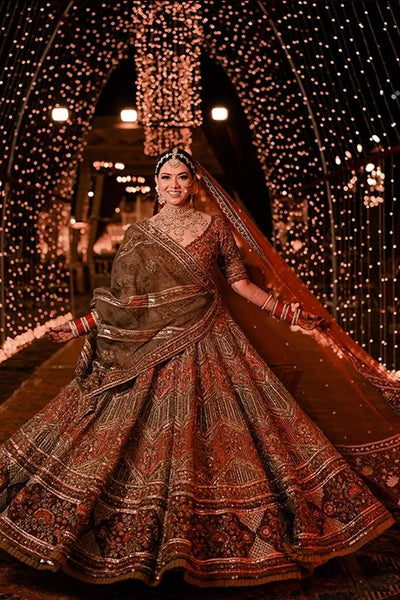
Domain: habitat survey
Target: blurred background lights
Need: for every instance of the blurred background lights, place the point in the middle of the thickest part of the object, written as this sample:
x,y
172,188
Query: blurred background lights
x,y
129,115
219,113
314,81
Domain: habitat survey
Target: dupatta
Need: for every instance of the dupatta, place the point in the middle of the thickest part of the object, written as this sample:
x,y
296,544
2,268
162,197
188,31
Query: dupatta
x,y
159,302
350,396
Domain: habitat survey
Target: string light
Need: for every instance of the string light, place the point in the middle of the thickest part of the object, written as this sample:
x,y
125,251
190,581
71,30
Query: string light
x,y
61,60
167,55
345,56
304,133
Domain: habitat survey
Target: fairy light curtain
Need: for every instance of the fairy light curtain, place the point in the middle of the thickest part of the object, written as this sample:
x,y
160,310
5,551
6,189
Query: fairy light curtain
x,y
318,84
51,54
168,40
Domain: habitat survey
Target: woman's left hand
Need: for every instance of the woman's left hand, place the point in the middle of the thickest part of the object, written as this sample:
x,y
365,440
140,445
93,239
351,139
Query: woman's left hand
x,y
59,334
310,321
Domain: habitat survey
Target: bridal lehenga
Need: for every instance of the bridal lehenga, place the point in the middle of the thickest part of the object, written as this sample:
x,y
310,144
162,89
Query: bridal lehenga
x,y
185,440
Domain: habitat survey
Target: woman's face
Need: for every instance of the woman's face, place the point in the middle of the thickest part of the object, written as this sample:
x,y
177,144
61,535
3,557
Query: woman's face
x,y
174,183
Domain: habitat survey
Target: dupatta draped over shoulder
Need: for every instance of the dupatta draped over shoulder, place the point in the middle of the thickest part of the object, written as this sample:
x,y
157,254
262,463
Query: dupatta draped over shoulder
x,y
160,300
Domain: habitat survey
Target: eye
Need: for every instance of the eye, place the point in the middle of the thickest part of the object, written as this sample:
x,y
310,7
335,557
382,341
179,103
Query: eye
x,y
164,176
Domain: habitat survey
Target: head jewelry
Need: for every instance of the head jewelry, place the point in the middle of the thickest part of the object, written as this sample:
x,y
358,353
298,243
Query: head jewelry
x,y
174,157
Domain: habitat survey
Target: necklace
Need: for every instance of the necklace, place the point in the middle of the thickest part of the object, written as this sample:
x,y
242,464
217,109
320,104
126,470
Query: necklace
x,y
179,221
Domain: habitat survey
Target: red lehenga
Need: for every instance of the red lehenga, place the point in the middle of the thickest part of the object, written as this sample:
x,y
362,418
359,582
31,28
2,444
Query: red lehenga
x,y
176,446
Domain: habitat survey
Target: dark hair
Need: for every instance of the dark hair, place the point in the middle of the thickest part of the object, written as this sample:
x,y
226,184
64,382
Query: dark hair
x,y
177,154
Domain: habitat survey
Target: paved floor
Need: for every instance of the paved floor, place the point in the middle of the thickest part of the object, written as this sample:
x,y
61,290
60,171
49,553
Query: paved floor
x,y
18,368
38,383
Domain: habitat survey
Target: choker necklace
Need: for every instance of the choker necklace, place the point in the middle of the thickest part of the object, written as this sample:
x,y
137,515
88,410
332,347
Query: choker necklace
x,y
176,210
178,220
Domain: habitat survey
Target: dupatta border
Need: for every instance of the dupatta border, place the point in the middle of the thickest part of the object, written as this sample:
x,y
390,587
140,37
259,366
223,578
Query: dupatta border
x,y
181,337
179,252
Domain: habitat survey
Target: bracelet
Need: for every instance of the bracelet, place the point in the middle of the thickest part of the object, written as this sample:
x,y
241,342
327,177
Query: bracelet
x,y
95,317
264,306
274,307
73,328
284,312
296,316
85,324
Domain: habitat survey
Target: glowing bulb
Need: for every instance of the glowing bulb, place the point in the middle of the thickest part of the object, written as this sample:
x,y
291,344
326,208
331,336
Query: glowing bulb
x,y
370,167
219,113
60,114
376,138
119,166
129,115
337,160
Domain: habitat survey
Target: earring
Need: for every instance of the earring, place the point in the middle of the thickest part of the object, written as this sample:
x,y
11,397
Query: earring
x,y
160,199
192,198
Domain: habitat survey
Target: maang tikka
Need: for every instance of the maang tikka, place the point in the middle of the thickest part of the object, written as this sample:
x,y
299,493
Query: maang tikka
x,y
174,161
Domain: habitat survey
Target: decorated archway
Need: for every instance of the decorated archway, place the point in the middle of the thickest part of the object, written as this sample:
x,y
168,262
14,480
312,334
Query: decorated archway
x,y
317,84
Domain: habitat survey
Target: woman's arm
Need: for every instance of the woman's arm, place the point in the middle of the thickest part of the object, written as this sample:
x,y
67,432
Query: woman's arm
x,y
75,328
250,291
276,308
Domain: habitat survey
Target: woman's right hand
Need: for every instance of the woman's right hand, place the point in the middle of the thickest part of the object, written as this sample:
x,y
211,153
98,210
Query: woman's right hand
x,y
59,334
310,321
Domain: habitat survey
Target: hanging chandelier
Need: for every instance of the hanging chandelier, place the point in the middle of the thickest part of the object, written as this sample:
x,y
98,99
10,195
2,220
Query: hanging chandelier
x,y
168,44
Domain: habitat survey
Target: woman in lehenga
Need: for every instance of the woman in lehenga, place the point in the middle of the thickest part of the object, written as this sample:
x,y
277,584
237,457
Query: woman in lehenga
x,y
176,446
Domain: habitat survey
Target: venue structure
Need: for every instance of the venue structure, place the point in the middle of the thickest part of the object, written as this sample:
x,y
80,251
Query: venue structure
x,y
316,84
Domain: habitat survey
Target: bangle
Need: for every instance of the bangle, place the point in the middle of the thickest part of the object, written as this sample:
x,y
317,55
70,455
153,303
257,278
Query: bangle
x,y
96,319
89,322
296,316
274,307
73,328
264,306
84,325
285,311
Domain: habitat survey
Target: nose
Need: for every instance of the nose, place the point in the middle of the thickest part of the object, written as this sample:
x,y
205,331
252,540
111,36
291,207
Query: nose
x,y
174,181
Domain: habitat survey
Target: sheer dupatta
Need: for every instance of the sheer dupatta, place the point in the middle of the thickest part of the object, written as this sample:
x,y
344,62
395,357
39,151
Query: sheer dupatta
x,y
345,391
160,300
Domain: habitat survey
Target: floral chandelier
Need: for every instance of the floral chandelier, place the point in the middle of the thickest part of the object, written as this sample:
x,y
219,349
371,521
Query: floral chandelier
x,y
169,37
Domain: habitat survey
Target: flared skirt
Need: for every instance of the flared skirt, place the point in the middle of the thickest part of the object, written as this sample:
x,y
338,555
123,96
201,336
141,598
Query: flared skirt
x,y
204,463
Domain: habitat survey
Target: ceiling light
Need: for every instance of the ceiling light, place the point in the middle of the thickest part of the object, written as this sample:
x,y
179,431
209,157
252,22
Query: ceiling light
x,y
60,114
129,115
219,113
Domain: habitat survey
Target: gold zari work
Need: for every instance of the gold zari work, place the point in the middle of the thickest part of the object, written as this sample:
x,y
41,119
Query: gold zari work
x,y
179,448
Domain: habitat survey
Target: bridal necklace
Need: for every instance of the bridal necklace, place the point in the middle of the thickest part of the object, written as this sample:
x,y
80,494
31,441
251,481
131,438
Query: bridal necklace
x,y
179,221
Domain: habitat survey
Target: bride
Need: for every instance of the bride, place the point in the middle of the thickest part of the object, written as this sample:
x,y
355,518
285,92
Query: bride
x,y
177,445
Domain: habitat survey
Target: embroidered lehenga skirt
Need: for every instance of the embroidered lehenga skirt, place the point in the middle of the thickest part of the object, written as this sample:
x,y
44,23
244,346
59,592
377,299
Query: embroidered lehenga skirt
x,y
202,462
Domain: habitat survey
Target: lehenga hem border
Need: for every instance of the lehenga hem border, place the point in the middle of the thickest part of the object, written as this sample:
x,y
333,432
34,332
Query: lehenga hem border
x,y
230,581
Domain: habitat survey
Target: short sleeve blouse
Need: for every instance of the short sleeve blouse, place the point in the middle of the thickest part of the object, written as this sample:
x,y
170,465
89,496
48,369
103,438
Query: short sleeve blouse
x,y
229,260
